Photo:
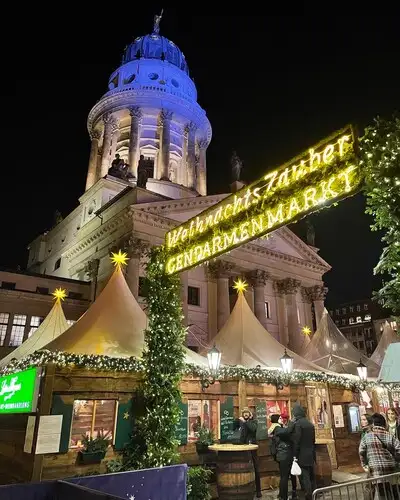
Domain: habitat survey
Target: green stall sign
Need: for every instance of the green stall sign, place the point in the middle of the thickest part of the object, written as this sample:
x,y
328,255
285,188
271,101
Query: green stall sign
x,y
19,391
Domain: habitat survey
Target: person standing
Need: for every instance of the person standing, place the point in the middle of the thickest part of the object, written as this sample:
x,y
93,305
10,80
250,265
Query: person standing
x,y
303,437
366,424
282,451
248,431
379,455
393,426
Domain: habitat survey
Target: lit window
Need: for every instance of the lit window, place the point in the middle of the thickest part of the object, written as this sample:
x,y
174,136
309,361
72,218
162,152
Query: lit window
x,y
18,329
330,313
358,308
359,319
267,310
4,317
344,310
337,312
193,296
70,322
367,317
90,416
343,321
203,413
365,307
351,321
351,309
35,323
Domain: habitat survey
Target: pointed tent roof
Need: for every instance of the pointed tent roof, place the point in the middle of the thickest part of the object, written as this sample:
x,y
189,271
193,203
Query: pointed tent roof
x,y
388,337
113,326
331,350
53,325
244,341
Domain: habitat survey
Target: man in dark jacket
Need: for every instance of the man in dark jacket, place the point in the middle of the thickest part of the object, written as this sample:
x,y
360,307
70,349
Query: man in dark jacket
x,y
303,437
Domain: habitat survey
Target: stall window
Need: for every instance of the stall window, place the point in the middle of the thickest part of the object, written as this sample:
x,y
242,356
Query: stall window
x,y
276,407
203,412
318,406
90,416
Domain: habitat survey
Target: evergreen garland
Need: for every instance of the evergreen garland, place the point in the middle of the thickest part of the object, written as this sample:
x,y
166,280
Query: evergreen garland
x,y
380,159
164,362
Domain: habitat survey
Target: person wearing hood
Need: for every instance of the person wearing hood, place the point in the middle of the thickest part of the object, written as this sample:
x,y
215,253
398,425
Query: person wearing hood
x,y
248,435
303,438
282,452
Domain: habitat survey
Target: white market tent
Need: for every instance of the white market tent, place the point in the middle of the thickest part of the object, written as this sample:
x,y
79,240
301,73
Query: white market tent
x,y
388,337
52,326
331,350
113,326
244,341
390,371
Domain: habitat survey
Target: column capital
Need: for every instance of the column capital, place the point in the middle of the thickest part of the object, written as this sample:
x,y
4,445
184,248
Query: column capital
x,y
305,295
165,116
135,112
220,269
191,127
108,119
258,277
317,292
134,246
91,268
95,134
203,143
286,286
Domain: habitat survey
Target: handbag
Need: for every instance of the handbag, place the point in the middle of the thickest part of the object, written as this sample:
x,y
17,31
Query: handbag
x,y
295,470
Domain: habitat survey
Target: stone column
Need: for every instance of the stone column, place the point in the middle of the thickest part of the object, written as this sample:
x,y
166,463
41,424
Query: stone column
x,y
109,128
201,172
220,270
94,151
114,141
281,312
184,167
318,294
191,156
307,301
165,118
184,296
135,248
92,269
134,139
258,279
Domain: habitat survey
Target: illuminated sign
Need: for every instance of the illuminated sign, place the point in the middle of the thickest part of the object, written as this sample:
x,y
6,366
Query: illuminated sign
x,y
19,391
325,174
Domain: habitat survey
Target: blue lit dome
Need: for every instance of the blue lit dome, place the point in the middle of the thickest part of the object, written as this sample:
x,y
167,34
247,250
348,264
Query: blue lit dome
x,y
155,46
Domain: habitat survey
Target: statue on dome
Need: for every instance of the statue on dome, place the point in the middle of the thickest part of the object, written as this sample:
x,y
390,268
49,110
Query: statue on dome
x,y
310,233
237,166
156,25
116,166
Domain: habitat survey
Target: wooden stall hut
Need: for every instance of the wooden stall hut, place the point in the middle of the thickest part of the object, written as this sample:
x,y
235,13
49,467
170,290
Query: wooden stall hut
x,y
244,341
331,350
52,326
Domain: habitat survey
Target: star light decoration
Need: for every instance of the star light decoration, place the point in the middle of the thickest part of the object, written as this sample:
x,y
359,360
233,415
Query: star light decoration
x,y
306,331
240,285
119,259
59,294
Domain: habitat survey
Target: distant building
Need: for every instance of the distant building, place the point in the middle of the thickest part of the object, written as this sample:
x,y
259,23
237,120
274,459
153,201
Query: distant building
x,y
361,321
26,299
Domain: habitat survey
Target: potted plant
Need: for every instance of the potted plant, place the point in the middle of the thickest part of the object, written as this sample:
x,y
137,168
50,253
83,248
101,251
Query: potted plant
x,y
94,449
205,437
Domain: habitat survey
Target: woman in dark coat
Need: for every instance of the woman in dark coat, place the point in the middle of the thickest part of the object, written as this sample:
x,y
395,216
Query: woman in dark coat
x,y
282,449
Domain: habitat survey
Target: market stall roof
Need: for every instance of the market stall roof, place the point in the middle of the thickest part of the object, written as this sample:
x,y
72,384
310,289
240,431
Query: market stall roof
x,y
390,370
388,337
244,341
331,350
52,326
113,326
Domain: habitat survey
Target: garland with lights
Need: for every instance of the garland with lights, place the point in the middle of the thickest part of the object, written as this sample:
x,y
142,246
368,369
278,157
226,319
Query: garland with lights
x,y
380,158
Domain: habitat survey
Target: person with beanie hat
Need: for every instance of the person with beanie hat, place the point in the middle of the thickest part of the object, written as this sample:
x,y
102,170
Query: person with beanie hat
x,y
282,451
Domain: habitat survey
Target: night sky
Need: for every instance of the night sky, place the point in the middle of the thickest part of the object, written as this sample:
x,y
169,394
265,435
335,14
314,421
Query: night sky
x,y
271,86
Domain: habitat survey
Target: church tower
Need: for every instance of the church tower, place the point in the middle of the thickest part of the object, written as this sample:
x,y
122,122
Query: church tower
x,y
150,113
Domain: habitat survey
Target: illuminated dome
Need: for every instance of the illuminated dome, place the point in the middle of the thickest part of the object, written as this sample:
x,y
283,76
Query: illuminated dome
x,y
155,46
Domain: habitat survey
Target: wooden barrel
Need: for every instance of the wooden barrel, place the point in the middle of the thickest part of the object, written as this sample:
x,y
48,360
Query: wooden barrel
x,y
323,466
235,475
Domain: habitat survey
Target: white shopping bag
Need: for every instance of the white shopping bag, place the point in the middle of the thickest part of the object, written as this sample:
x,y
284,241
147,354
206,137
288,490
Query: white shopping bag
x,y
295,470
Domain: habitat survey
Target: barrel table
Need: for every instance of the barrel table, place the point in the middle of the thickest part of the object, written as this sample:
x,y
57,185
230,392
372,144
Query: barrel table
x,y
235,471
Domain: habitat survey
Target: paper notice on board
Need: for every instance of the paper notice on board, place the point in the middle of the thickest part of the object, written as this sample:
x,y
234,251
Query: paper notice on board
x,y
49,434
338,418
30,429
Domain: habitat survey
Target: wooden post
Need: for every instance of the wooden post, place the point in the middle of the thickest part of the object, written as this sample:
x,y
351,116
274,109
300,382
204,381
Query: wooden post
x,y
46,397
242,393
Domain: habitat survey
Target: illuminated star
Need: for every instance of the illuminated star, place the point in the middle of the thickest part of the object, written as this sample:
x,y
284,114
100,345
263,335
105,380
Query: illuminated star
x,y
126,415
119,259
132,497
306,330
59,294
240,285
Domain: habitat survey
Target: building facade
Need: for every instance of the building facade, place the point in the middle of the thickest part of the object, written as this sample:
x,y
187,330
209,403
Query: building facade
x,y
150,117
361,321
26,299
